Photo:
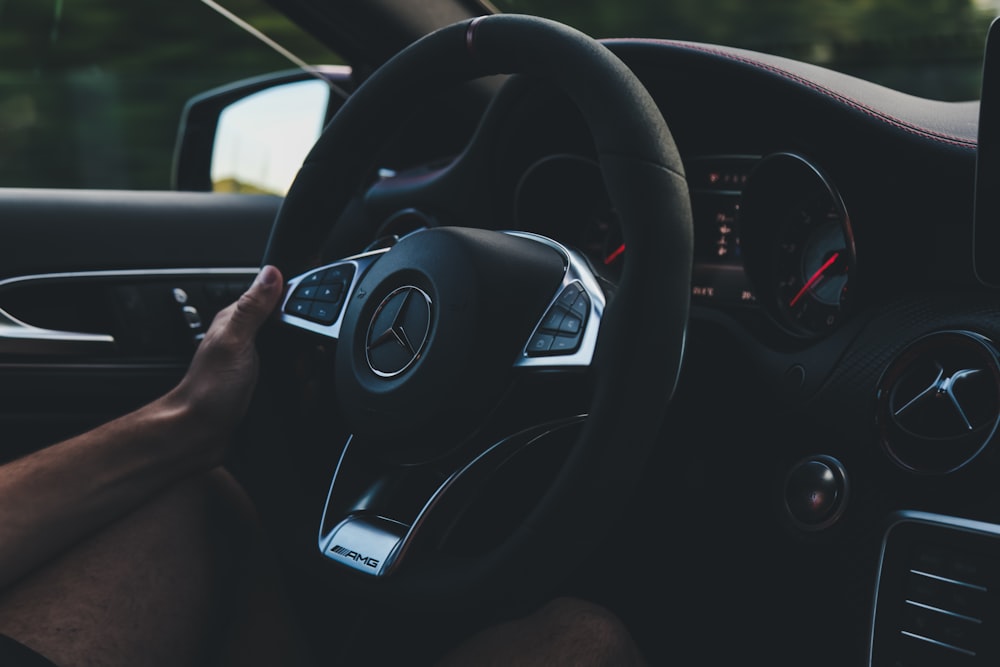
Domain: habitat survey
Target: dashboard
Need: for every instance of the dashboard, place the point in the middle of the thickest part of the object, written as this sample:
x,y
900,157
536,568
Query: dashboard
x,y
834,296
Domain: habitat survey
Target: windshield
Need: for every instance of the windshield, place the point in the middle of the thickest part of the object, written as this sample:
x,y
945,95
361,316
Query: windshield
x,y
931,48
91,91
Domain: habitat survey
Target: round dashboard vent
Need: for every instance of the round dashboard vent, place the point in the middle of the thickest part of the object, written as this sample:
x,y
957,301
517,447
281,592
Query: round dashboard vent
x,y
938,403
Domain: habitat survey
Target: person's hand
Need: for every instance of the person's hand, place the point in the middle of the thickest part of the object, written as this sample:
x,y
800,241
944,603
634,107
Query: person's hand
x,y
219,383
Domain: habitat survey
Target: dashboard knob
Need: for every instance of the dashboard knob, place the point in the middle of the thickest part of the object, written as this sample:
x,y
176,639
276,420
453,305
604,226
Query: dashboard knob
x,y
816,492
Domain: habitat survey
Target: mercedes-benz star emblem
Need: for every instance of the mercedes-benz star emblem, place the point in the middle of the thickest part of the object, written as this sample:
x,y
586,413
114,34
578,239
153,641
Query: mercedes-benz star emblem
x,y
398,331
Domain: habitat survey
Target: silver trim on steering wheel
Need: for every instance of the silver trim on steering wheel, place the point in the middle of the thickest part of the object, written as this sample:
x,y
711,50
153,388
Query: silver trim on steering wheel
x,y
359,263
577,271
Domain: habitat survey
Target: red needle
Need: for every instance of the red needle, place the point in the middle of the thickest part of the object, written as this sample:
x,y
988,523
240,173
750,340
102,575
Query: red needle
x,y
614,255
815,278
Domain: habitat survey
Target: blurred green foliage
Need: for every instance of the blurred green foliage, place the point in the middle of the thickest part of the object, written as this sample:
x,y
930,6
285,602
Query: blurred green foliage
x,y
91,91
931,48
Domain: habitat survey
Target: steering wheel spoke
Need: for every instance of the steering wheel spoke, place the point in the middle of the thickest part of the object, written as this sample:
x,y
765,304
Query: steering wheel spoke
x,y
378,516
316,300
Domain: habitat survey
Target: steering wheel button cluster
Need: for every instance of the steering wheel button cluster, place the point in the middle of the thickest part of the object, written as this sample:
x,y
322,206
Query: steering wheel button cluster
x,y
562,327
319,295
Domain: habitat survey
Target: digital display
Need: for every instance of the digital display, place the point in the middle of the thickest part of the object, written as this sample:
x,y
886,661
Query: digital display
x,y
716,185
986,224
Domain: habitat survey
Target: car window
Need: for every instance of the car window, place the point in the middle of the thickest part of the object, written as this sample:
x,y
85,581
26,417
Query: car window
x,y
91,91
931,48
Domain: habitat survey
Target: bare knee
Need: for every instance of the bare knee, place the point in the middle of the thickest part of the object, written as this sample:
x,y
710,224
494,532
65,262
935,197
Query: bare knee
x,y
588,629
564,631
145,589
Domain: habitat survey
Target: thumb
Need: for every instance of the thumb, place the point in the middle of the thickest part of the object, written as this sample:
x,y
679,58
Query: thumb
x,y
258,302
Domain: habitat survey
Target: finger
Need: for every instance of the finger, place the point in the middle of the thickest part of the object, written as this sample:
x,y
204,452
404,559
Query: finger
x,y
258,302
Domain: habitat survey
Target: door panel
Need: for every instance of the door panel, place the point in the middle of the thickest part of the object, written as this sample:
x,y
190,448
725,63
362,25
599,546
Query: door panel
x,y
103,296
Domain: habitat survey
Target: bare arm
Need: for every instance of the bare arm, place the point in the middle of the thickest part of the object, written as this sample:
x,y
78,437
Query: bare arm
x,y
55,496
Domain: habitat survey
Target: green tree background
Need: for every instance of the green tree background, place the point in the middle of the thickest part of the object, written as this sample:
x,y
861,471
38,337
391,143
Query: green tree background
x,y
932,48
91,91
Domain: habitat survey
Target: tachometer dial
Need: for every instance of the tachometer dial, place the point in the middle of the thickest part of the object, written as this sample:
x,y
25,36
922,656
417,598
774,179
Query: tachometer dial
x,y
563,197
798,243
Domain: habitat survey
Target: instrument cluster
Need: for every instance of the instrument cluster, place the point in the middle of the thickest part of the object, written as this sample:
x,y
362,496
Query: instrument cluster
x,y
771,233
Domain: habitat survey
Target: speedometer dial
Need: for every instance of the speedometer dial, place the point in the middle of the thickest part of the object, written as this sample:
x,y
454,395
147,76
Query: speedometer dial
x,y
799,245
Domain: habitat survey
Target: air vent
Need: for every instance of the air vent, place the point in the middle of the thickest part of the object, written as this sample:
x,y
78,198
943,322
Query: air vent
x,y
937,592
939,402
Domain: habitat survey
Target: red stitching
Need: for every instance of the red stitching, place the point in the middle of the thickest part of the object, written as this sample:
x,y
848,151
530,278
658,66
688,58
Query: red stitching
x,y
859,106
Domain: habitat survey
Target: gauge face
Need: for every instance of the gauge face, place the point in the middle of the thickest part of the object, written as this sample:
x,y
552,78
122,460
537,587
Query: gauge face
x,y
800,246
812,268
563,197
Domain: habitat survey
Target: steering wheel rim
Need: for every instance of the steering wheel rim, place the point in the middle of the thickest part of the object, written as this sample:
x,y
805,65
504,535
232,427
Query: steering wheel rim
x,y
640,346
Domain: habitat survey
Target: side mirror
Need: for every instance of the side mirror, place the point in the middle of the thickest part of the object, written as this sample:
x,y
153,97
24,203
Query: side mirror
x,y
252,135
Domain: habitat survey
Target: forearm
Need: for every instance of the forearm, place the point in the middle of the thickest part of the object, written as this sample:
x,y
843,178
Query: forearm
x,y
56,496
52,498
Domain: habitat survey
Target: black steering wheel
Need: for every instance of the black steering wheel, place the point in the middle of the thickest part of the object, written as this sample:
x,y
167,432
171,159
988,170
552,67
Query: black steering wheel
x,y
463,353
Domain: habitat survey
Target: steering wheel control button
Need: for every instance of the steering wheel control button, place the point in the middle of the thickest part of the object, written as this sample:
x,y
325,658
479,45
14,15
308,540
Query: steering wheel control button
x,y
330,293
312,279
398,331
325,313
565,344
553,319
540,343
569,295
299,307
338,275
319,296
561,329
571,324
581,307
815,492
